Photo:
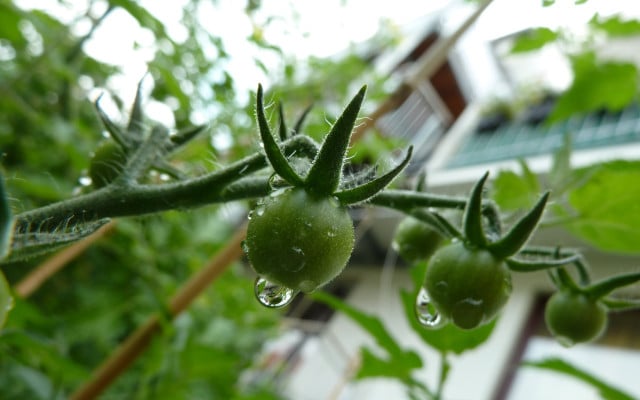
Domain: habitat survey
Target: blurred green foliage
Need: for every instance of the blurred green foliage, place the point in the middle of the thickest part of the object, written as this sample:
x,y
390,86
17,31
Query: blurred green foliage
x,y
48,129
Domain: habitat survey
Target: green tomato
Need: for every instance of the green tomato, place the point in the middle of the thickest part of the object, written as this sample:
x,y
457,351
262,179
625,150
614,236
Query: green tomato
x,y
572,317
299,241
468,286
107,163
414,240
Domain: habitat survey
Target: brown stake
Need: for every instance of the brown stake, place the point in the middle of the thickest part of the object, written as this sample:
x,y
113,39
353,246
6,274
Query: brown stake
x,y
137,342
55,263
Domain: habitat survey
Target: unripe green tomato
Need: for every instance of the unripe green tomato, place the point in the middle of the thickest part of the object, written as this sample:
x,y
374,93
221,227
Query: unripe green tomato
x,y
107,163
572,317
414,240
298,240
467,286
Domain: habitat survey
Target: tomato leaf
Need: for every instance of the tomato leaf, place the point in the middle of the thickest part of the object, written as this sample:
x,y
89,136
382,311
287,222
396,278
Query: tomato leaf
x,y
615,25
514,192
607,207
560,173
605,390
533,40
6,221
369,323
596,85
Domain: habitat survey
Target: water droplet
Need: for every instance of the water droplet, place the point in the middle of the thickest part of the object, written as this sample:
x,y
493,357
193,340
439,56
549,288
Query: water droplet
x,y
272,295
565,341
296,260
85,181
259,210
244,246
427,314
468,313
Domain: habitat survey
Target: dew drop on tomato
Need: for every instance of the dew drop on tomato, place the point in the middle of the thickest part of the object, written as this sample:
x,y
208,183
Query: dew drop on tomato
x,y
426,313
272,295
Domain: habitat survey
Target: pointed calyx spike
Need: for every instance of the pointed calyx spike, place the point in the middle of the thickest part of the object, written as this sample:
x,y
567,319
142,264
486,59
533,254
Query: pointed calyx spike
x,y
472,219
603,288
136,119
278,161
537,265
326,170
282,126
298,126
371,188
513,240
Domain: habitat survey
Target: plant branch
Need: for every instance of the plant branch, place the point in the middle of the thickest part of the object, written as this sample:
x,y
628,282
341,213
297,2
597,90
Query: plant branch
x,y
120,200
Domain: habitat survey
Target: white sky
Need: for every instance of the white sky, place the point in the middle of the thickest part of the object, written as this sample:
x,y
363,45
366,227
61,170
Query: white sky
x,y
309,27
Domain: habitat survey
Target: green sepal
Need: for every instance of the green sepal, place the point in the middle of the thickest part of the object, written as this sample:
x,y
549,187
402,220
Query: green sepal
x,y
6,221
621,304
282,126
136,118
185,135
518,235
114,131
298,125
472,218
517,265
603,288
326,169
564,281
278,161
437,222
371,188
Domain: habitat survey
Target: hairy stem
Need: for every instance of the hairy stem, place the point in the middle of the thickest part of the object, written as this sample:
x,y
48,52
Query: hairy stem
x,y
127,200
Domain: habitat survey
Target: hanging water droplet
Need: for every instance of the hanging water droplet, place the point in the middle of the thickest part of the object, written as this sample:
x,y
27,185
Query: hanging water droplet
x,y
85,180
244,246
427,314
272,295
565,341
296,260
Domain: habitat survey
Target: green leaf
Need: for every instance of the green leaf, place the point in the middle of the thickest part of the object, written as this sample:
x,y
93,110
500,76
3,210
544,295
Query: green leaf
x,y
615,25
607,207
534,40
448,338
326,170
398,364
560,173
605,390
367,322
6,301
515,192
6,221
596,85
395,367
